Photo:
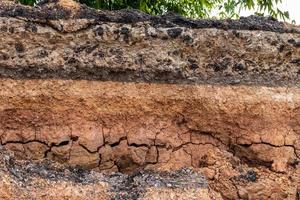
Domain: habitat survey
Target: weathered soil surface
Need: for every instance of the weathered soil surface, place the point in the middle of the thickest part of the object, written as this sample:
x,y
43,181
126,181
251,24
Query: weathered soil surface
x,y
47,180
133,106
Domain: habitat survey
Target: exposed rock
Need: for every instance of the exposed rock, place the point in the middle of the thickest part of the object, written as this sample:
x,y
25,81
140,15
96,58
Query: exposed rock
x,y
209,173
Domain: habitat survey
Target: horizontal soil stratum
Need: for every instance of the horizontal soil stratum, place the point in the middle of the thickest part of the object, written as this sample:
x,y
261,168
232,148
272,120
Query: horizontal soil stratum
x,y
123,105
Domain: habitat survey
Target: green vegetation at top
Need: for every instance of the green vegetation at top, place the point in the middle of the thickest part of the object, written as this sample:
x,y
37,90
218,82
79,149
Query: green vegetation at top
x,y
190,8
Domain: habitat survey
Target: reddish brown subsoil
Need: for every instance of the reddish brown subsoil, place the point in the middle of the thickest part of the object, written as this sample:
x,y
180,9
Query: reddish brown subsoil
x,y
237,135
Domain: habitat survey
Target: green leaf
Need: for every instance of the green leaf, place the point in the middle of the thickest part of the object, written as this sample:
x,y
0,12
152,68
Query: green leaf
x,y
189,8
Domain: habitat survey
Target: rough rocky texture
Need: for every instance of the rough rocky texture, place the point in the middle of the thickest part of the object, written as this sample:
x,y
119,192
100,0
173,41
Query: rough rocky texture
x,y
95,48
124,91
48,180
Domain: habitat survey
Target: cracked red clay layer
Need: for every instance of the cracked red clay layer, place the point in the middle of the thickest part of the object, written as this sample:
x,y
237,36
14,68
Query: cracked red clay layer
x,y
224,131
110,96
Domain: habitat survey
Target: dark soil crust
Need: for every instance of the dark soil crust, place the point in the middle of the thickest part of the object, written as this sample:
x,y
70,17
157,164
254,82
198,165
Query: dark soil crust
x,y
96,73
122,186
51,11
283,70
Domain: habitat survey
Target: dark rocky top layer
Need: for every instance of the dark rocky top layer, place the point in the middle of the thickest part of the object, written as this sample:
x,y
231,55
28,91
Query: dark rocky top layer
x,y
111,46
51,10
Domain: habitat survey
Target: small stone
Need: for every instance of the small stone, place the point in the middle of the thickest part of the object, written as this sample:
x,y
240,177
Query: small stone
x,y
297,44
193,63
281,48
174,32
3,28
151,32
188,39
124,30
138,154
243,193
251,175
31,27
4,56
291,41
239,67
209,173
99,31
235,33
11,30
42,54
279,166
19,47
294,42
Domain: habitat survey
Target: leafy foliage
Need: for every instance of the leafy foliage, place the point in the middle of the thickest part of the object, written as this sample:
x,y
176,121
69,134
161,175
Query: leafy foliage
x,y
190,8
27,2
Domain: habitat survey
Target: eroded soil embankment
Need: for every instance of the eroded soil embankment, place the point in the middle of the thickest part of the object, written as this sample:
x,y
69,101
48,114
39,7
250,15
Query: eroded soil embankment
x,y
86,48
124,91
242,138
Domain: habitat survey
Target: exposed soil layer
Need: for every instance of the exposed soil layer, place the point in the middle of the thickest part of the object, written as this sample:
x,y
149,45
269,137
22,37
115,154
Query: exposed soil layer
x,y
108,50
147,96
35,180
243,139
